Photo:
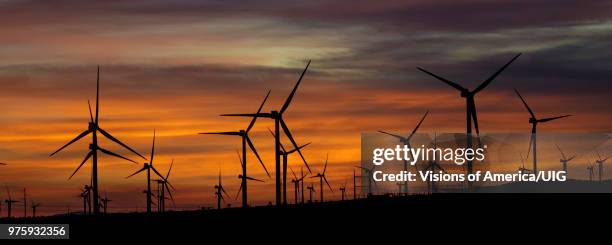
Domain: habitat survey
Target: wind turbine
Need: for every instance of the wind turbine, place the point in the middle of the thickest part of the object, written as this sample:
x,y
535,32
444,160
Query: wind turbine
x,y
322,177
34,207
277,116
590,169
105,202
162,186
534,123
285,155
86,195
522,168
93,129
148,167
433,165
9,202
310,191
244,178
471,104
343,190
564,160
296,185
406,142
600,163
219,191
244,134
369,172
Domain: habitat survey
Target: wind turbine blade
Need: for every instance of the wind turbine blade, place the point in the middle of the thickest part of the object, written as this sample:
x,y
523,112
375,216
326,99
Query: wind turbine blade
x,y
225,192
552,118
281,144
571,158
452,84
97,95
257,155
288,134
325,167
3,164
107,152
223,133
475,119
240,158
137,172
292,172
169,169
8,192
109,136
490,79
156,172
239,190
301,147
328,185
90,114
258,111
170,194
83,162
254,179
288,101
243,115
560,151
83,134
152,149
525,103
394,135
418,125
530,144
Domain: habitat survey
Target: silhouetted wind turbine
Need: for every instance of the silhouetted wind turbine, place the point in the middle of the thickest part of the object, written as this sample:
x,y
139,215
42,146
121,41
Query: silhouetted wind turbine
x,y
369,172
9,202
86,195
148,167
296,185
590,169
471,104
433,165
406,142
244,178
219,191
277,116
94,129
310,191
322,177
285,155
522,168
564,160
244,134
105,202
35,205
162,185
534,123
343,190
25,203
600,163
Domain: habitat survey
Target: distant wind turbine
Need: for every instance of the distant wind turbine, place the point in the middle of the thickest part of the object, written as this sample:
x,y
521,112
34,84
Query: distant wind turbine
x,y
470,103
564,160
534,123
600,161
406,141
321,176
279,122
94,129
244,134
148,167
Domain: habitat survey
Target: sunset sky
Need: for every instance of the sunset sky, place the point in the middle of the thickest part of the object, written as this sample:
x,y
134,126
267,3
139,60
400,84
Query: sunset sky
x,y
174,66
